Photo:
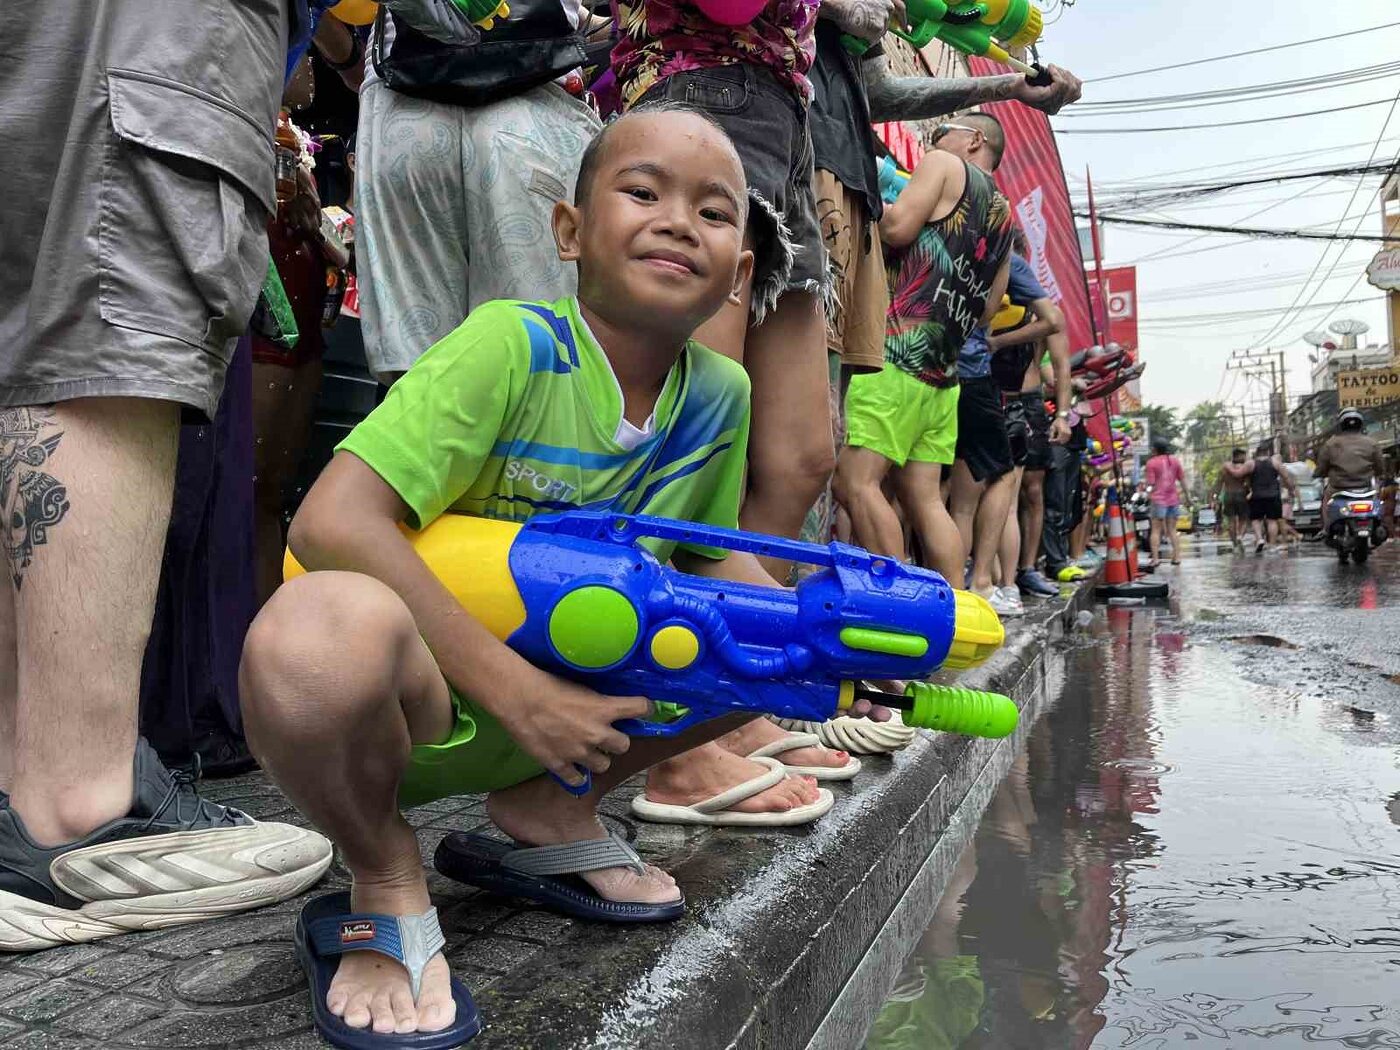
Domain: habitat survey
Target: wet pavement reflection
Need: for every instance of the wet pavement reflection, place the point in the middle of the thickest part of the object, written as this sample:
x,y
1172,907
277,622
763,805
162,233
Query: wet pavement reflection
x,y
1200,843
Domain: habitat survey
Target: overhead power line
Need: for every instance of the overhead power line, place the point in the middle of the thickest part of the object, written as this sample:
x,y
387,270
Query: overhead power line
x,y
1242,54
1239,231
1236,95
1222,123
1168,194
1284,319
1225,315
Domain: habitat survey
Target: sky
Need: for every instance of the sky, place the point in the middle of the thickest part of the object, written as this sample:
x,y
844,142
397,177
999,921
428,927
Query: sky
x,y
1179,276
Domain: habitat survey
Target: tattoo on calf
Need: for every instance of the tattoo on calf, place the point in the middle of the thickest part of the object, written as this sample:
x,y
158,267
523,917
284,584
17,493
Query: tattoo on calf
x,y
32,501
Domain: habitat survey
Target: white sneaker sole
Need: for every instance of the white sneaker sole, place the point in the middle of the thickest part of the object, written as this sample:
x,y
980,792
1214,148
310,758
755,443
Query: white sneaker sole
x,y
166,880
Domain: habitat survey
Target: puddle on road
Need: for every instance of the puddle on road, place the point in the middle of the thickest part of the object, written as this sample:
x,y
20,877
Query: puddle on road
x,y
1178,856
1270,640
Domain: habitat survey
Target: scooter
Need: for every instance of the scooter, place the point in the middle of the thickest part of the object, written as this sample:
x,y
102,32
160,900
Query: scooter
x,y
1354,524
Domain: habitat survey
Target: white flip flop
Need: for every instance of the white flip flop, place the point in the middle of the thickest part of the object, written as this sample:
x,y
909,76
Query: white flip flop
x,y
792,742
858,736
716,812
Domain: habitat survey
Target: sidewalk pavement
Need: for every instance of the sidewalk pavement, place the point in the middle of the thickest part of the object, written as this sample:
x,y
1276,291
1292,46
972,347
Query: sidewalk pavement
x,y
778,923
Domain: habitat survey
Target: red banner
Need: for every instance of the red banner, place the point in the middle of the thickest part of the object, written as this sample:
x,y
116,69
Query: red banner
x,y
1033,180
1120,305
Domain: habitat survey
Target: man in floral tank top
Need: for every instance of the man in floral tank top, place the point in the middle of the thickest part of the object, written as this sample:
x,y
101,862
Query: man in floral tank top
x,y
948,240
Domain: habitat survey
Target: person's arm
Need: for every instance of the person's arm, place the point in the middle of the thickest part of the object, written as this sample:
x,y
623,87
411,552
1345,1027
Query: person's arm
x,y
925,98
350,521
917,203
1324,463
868,20
1240,471
1057,343
999,285
342,50
1285,475
1048,321
1377,462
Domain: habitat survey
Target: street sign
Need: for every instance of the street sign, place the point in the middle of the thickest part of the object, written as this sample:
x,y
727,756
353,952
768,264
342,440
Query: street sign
x,y
1368,387
1384,271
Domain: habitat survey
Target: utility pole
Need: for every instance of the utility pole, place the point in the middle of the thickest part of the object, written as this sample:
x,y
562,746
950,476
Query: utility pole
x,y
1253,364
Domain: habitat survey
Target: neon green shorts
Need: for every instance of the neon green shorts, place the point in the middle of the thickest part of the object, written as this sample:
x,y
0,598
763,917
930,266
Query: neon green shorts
x,y
894,414
478,756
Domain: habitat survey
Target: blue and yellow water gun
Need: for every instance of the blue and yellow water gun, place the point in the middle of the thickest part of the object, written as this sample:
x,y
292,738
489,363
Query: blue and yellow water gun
x,y
578,594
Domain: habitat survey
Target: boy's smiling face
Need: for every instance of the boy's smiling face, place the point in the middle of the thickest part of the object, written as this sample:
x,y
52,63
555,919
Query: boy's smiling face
x,y
658,231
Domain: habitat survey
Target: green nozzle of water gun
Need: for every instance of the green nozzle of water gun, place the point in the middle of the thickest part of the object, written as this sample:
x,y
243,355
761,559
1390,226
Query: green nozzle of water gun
x,y
482,12
953,709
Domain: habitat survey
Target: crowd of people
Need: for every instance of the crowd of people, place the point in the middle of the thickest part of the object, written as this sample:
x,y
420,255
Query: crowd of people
x,y
634,258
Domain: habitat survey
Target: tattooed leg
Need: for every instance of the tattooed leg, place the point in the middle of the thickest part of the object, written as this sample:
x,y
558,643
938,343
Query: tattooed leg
x,y
85,489
23,450
8,680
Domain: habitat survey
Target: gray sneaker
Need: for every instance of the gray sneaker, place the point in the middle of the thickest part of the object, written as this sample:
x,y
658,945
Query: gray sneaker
x,y
174,859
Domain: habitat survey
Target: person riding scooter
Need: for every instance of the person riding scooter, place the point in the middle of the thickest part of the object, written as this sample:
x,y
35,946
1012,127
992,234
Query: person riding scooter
x,y
1348,465
1350,461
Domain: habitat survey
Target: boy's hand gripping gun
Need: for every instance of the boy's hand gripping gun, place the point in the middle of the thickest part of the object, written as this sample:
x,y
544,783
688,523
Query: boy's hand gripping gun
x,y
578,595
988,28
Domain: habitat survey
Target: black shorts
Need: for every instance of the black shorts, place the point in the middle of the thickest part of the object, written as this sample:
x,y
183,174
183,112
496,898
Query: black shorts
x,y
1265,508
982,442
767,123
1028,425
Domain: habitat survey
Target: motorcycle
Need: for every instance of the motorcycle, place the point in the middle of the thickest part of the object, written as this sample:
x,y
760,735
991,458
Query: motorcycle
x,y
1354,525
1140,507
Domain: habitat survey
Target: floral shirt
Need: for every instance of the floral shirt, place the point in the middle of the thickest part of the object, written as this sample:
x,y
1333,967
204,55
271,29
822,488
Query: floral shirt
x,y
662,37
940,283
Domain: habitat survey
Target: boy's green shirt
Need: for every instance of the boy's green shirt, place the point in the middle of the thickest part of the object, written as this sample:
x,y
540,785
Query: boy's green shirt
x,y
517,413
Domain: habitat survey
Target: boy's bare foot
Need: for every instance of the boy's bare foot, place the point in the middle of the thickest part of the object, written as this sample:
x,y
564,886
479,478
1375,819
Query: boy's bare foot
x,y
751,736
705,771
541,813
371,991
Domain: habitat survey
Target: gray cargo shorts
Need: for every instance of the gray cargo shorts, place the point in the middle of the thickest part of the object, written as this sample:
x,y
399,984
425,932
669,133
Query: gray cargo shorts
x,y
136,140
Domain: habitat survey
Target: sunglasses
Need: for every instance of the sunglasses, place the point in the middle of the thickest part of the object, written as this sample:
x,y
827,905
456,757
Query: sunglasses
x,y
943,129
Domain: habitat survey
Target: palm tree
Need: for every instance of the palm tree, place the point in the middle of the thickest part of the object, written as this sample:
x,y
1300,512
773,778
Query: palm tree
x,y
1207,425
1163,421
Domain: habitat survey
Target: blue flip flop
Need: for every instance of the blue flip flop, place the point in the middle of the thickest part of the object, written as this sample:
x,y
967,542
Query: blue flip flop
x,y
327,928
549,875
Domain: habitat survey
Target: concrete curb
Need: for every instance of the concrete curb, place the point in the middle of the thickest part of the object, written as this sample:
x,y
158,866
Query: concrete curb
x,y
776,948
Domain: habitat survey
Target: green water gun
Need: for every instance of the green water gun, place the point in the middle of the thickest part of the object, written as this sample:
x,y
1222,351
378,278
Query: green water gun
x,y
986,28
450,21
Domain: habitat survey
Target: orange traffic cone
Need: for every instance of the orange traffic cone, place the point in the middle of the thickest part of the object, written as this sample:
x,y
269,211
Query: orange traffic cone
x,y
1115,566
1118,584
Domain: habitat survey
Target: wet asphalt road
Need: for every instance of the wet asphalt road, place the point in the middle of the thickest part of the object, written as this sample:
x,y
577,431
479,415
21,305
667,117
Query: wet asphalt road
x,y
1200,845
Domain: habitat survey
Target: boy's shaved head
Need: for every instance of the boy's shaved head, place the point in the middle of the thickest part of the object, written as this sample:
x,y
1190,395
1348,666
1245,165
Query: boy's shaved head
x,y
657,223
596,151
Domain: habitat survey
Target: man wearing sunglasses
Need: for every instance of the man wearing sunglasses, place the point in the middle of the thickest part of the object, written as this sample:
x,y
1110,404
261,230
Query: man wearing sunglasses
x,y
848,93
949,239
